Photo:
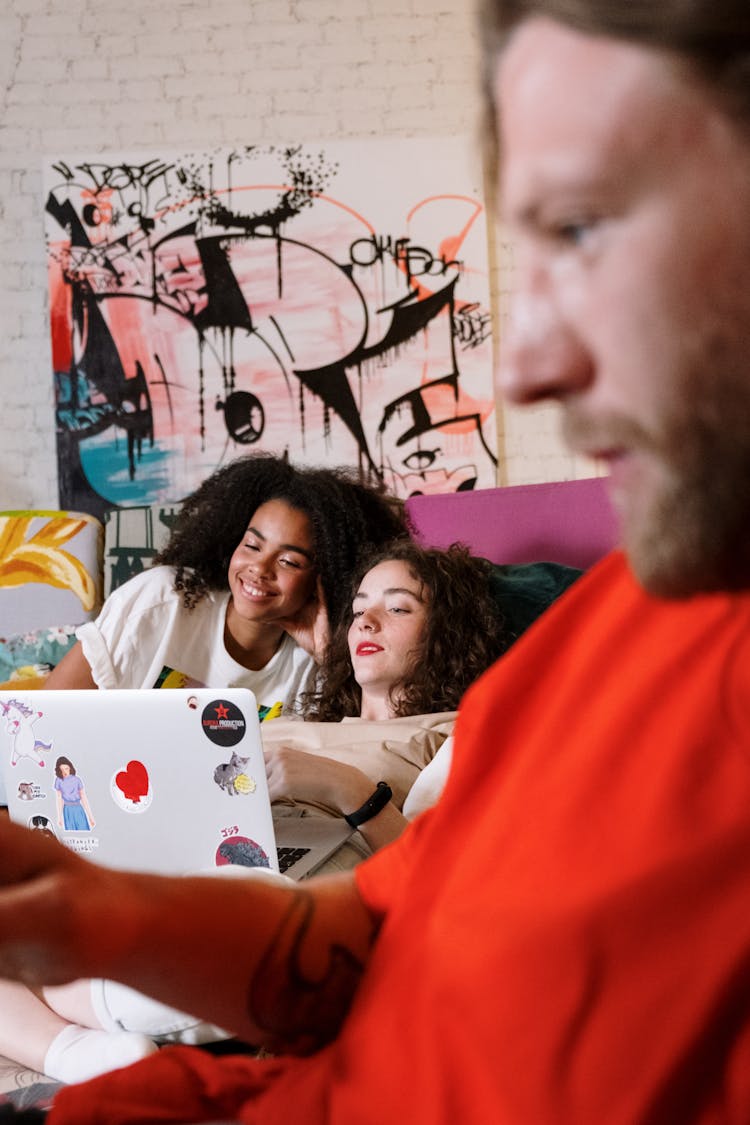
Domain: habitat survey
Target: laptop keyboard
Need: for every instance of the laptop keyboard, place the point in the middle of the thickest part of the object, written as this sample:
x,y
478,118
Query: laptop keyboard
x,y
288,856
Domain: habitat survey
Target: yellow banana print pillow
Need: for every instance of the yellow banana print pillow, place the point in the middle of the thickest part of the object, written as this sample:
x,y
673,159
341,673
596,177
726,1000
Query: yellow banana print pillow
x,y
50,570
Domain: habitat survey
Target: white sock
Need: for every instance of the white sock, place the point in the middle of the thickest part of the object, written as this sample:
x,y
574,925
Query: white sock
x,y
78,1053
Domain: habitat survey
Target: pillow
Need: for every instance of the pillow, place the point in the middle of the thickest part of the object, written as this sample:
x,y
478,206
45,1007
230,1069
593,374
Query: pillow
x,y
50,569
32,655
523,591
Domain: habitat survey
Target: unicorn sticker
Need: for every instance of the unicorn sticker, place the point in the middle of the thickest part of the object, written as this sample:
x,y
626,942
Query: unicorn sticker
x,y
19,721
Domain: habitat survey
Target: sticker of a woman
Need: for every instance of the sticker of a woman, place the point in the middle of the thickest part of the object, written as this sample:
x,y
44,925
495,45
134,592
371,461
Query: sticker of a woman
x,y
73,811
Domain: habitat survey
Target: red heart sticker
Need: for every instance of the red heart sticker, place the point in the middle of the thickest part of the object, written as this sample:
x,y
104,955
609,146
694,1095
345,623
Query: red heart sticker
x,y
133,781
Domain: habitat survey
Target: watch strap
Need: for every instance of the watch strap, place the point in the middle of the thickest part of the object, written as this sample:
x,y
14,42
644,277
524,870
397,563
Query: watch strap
x,y
372,806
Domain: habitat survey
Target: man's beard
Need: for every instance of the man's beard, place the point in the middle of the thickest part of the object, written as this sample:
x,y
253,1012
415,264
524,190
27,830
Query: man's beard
x,y
696,538
691,532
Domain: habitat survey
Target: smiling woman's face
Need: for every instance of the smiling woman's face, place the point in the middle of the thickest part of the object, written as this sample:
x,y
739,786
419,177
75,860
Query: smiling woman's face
x,y
389,626
272,571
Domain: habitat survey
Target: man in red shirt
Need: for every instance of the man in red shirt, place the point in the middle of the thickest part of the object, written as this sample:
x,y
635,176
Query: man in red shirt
x,y
565,938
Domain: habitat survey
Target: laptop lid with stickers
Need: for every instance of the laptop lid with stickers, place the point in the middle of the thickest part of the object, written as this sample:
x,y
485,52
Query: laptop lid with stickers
x,y
164,781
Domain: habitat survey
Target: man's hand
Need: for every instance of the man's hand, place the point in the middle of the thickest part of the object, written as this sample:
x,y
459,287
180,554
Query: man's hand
x,y
297,951
48,931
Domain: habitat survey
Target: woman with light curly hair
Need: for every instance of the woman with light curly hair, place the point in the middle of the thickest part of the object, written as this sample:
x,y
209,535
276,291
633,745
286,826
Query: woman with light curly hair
x,y
421,626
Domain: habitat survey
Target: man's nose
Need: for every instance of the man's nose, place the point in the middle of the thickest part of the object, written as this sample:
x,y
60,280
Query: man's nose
x,y
540,354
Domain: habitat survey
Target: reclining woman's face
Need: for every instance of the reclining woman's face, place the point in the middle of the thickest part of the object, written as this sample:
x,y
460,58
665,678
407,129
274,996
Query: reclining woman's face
x,y
389,627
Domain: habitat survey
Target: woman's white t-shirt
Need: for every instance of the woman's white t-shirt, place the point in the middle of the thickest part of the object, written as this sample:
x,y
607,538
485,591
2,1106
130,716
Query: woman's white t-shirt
x,y
145,638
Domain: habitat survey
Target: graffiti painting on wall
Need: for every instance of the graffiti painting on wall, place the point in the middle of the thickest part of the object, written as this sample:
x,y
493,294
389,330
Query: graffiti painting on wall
x,y
327,302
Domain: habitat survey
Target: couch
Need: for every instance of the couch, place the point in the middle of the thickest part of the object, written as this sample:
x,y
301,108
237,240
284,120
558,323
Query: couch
x,y
56,567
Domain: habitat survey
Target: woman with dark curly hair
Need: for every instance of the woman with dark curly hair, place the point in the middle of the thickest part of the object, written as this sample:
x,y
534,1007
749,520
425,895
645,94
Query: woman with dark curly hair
x,y
421,627
257,568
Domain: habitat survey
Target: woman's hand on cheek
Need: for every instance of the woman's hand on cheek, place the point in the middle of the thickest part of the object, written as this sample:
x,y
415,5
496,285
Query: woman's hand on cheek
x,y
310,628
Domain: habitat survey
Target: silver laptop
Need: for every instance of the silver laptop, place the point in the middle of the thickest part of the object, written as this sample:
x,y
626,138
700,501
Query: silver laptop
x,y
169,781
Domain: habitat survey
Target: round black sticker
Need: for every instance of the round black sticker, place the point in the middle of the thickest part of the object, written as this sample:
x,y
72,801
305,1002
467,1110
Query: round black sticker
x,y
223,722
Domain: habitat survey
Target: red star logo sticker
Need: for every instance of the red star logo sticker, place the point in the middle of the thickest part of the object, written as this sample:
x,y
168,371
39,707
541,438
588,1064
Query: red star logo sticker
x,y
221,711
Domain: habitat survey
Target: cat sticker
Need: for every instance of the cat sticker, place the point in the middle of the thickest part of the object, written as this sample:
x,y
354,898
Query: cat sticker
x,y
231,777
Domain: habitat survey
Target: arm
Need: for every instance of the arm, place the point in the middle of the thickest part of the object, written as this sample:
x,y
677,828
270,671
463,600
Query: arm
x,y
310,777
59,804
87,808
276,963
73,671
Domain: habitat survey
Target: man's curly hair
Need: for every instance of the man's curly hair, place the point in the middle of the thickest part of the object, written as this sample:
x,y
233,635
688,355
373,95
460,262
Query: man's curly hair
x,y
345,517
464,635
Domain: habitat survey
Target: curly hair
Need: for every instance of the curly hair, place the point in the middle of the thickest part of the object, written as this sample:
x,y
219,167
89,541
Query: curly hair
x,y
464,635
346,516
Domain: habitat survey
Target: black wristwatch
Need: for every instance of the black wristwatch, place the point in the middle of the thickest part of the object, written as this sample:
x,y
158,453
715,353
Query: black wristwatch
x,y
371,807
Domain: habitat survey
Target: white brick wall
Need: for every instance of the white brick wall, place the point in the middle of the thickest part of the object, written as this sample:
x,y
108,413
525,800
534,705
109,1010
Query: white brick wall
x,y
85,76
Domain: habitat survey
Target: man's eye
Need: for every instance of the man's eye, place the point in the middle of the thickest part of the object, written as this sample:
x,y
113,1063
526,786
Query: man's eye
x,y
399,609
290,563
574,232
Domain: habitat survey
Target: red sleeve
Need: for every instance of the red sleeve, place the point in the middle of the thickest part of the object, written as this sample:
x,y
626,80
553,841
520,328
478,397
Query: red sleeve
x,y
380,878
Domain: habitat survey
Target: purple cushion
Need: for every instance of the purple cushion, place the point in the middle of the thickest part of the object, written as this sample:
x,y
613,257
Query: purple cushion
x,y
569,522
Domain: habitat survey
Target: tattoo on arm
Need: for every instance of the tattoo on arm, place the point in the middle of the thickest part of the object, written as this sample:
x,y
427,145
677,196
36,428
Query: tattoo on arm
x,y
297,1012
